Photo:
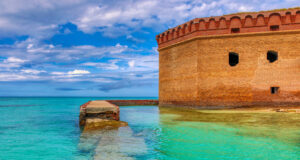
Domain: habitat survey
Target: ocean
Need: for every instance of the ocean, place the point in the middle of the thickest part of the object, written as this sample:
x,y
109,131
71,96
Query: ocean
x,y
47,129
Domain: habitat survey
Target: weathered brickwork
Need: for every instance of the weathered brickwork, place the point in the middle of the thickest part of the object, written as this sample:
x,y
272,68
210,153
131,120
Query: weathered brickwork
x,y
178,74
195,71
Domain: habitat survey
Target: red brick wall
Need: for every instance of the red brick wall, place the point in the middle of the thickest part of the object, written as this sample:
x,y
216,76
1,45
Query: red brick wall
x,y
197,72
248,23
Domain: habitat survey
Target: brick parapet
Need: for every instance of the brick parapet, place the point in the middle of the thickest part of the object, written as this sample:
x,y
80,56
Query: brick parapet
x,y
268,21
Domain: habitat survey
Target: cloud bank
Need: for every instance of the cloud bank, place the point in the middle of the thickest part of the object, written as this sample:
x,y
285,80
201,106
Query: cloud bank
x,y
100,44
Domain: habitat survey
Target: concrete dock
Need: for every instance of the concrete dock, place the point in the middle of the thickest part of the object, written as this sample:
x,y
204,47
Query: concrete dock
x,y
99,114
106,114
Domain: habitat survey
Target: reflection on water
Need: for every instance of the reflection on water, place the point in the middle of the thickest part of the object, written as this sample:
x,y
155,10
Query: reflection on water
x,y
283,126
169,133
195,134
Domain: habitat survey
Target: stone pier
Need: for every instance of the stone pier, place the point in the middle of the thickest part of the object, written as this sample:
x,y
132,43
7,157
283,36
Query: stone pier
x,y
99,114
106,113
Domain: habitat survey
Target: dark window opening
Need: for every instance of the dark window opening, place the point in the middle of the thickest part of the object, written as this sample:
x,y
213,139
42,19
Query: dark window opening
x,y
272,56
233,58
274,90
274,28
235,30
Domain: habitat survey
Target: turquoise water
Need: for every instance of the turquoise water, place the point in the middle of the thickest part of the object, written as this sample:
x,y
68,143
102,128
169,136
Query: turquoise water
x,y
47,128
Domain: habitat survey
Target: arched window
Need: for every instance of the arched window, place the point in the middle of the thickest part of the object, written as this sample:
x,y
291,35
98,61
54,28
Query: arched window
x,y
272,56
233,59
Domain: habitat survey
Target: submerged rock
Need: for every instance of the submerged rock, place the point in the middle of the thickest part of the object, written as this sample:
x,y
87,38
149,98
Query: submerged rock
x,y
119,144
97,123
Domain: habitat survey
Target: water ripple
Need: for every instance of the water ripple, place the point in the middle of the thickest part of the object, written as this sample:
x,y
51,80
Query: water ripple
x,y
18,105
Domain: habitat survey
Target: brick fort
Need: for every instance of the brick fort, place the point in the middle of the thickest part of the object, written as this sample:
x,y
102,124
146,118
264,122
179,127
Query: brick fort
x,y
243,59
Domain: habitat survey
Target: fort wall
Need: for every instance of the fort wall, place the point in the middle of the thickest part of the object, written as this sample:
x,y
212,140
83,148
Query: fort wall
x,y
195,69
231,24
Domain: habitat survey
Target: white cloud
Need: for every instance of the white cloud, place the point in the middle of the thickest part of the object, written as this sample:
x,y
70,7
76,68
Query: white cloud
x,y
158,14
33,51
134,39
11,62
245,8
115,18
111,65
29,46
57,73
27,59
75,75
131,63
32,71
16,13
76,72
9,65
145,63
17,77
118,48
14,60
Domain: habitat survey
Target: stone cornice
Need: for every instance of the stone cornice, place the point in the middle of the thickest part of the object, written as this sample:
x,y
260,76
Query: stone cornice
x,y
248,34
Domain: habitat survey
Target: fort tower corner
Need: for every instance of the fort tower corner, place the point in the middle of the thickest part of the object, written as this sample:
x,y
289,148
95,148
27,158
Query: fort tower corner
x,y
233,60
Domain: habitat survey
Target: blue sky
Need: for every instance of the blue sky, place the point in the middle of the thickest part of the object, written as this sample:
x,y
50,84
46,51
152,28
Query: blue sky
x,y
95,47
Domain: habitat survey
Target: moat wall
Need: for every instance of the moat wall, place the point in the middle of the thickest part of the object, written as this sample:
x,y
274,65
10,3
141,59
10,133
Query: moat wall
x,y
196,72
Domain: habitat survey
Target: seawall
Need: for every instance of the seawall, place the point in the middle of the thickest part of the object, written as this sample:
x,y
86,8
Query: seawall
x,y
133,102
